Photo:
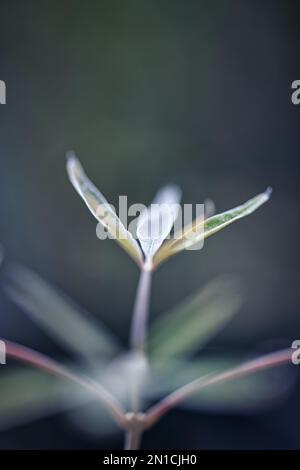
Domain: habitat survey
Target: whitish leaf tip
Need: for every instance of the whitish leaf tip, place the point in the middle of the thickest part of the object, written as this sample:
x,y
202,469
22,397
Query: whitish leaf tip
x,y
268,191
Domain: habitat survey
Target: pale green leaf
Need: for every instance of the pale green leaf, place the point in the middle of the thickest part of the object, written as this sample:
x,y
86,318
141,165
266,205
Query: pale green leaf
x,y
93,419
200,229
27,395
59,316
101,209
124,379
193,323
243,394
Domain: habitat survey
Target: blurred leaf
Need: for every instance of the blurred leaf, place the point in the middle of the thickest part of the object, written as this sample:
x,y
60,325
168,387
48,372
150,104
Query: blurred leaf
x,y
29,395
26,395
213,380
156,222
36,359
244,394
101,209
191,325
200,229
124,378
59,316
94,419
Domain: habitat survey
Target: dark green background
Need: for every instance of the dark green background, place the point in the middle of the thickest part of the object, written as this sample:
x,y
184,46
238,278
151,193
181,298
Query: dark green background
x,y
147,92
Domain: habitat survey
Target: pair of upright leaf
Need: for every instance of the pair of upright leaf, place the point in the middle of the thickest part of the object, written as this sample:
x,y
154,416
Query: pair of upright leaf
x,y
155,223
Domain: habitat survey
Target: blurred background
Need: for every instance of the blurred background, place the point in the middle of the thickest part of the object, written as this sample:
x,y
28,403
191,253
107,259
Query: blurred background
x,y
197,93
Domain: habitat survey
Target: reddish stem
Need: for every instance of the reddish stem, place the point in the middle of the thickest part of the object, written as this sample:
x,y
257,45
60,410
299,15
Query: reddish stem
x,y
173,399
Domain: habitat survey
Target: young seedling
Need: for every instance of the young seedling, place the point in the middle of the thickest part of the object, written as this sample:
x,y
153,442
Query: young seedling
x,y
167,347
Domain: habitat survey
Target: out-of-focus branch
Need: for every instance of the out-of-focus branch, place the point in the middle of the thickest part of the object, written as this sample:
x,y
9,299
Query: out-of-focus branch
x,y
170,401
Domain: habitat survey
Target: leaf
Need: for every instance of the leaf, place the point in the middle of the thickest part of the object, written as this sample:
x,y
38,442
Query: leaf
x,y
46,364
242,395
59,316
124,378
27,395
191,325
201,229
101,209
156,222
187,391
93,419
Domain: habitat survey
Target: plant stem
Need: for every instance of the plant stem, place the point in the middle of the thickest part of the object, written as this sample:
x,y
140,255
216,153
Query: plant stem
x,y
133,439
140,312
138,340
